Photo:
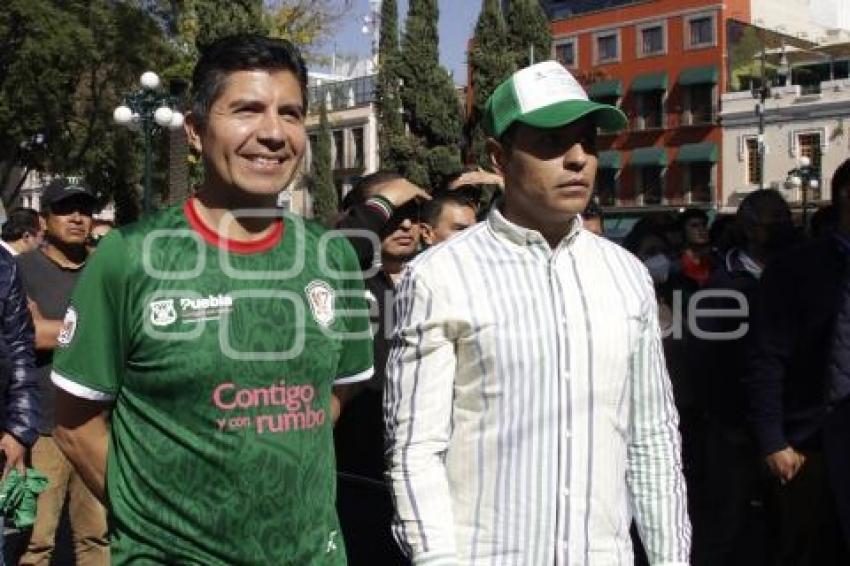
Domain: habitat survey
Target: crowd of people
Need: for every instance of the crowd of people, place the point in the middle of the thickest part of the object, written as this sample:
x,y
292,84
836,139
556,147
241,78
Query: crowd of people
x,y
464,374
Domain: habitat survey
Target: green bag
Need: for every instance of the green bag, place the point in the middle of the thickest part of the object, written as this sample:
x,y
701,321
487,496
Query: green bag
x,y
18,496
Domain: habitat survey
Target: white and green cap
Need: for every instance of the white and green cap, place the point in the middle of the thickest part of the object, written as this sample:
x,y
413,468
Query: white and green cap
x,y
545,95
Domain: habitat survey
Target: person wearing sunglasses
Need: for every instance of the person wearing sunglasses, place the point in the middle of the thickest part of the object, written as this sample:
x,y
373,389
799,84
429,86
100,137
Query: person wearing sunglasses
x,y
381,216
528,410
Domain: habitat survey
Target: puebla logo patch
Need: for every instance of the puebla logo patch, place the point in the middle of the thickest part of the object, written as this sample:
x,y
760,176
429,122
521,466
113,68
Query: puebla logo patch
x,y
163,312
321,297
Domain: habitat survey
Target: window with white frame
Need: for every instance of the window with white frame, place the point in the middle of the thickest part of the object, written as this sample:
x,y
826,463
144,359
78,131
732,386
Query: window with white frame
x,y
650,187
753,161
607,46
652,39
339,149
650,110
809,145
701,30
358,148
700,186
699,100
566,52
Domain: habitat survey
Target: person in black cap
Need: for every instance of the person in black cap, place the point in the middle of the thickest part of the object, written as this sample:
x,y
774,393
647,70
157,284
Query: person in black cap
x,y
49,275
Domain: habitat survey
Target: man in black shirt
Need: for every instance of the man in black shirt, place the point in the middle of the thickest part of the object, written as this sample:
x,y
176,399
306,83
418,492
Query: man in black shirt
x,y
382,220
49,275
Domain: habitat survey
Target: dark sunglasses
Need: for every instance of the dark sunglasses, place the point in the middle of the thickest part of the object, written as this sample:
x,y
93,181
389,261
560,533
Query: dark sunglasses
x,y
411,210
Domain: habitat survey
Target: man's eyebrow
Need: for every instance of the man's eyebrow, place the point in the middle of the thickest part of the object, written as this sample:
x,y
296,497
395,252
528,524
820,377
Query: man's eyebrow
x,y
292,106
243,102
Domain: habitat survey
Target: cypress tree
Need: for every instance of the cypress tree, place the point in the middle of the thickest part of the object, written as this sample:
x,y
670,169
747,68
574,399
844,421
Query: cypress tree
x,y
528,27
387,90
326,200
491,62
431,105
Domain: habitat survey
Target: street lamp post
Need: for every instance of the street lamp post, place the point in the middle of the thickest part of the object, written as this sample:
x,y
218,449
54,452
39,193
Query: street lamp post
x,y
372,24
148,109
804,177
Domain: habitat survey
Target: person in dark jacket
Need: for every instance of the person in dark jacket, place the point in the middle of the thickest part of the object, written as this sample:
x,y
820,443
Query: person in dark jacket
x,y
19,397
381,217
798,387
19,391
734,531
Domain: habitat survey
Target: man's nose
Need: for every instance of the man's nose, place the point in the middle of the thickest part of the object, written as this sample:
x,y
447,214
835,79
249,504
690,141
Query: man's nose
x,y
271,130
575,157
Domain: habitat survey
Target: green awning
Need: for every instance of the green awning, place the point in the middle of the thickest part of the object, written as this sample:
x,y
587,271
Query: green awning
x,y
705,152
609,159
699,76
650,82
606,89
648,157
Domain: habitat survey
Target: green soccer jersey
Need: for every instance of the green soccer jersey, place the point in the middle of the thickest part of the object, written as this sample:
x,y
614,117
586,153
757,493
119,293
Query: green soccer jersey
x,y
219,357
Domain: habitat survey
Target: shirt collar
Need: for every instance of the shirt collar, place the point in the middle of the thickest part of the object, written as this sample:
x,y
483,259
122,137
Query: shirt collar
x,y
522,236
8,247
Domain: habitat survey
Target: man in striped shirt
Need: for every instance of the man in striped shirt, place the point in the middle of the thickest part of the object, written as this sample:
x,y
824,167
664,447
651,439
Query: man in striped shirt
x,y
528,410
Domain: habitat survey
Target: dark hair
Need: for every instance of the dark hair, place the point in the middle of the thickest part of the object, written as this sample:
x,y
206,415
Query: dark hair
x,y
757,203
692,213
647,227
363,185
20,222
840,179
825,221
432,209
241,52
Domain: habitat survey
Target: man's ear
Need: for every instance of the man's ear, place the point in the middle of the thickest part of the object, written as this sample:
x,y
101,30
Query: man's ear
x,y
193,130
496,151
426,232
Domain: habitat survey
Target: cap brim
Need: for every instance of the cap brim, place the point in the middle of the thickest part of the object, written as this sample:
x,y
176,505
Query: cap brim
x,y
71,194
609,118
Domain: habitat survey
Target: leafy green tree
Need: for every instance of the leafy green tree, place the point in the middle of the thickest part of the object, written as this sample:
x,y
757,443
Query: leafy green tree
x,y
491,62
388,91
528,31
326,201
305,23
65,66
431,104
220,18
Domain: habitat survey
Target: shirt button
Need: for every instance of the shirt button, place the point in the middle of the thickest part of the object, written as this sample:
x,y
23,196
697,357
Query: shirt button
x,y
565,492
568,434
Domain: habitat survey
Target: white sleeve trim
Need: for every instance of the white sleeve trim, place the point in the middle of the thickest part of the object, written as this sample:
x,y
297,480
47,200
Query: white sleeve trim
x,y
362,376
78,390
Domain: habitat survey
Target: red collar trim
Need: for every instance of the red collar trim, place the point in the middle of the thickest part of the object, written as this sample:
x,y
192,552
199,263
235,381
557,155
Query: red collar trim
x,y
265,243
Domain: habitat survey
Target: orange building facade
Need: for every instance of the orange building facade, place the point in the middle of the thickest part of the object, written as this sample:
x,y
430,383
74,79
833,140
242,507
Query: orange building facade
x,y
663,62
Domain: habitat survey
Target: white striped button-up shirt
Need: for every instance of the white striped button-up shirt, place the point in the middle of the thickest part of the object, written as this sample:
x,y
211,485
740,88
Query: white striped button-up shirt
x,y
528,410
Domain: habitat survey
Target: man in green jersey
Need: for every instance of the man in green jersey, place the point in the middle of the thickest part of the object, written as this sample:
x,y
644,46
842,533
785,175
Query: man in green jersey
x,y
202,343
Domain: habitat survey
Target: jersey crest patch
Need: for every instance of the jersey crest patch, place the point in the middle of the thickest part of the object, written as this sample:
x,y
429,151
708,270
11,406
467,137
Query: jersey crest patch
x,y
321,297
69,326
163,312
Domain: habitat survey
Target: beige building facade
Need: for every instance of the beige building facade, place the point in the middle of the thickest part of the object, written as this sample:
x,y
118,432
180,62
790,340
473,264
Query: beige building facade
x,y
814,125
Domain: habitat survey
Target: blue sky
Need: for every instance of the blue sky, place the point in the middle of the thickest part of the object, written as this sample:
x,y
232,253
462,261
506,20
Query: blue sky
x,y
457,23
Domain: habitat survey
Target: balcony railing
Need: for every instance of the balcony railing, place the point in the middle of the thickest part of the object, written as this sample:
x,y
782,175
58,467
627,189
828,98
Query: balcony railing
x,y
343,94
